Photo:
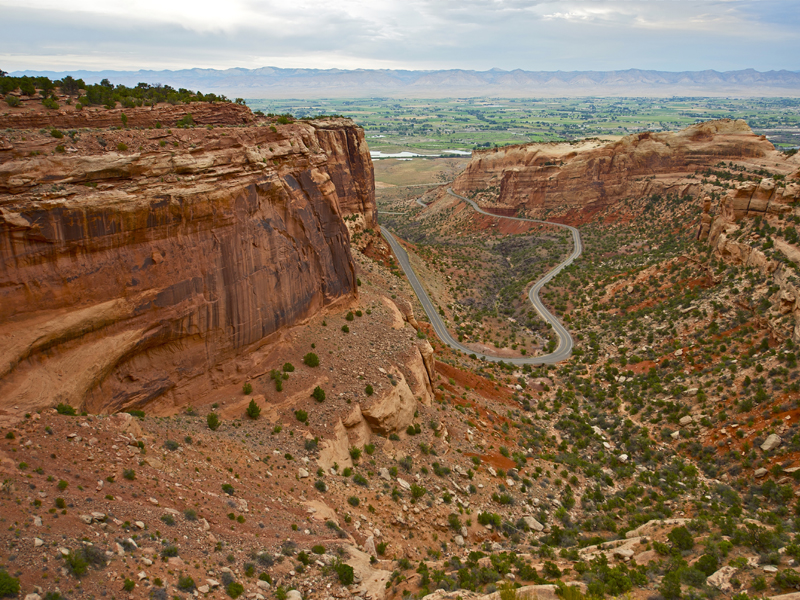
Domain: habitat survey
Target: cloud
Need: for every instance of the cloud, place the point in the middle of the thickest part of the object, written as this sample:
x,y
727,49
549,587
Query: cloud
x,y
414,34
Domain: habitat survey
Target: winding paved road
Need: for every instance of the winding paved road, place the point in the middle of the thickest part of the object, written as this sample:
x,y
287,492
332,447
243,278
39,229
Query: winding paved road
x,y
564,348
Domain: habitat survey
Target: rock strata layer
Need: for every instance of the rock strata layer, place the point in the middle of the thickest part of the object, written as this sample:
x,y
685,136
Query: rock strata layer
x,y
580,179
128,276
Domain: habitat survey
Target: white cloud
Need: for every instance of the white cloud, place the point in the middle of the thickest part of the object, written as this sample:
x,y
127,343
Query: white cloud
x,y
528,34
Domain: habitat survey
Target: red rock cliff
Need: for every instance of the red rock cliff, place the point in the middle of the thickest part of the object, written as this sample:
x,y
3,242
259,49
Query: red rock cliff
x,y
582,178
138,265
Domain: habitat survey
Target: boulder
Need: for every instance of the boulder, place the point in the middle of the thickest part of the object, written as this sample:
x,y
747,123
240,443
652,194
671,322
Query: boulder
x,y
772,442
721,579
393,410
533,523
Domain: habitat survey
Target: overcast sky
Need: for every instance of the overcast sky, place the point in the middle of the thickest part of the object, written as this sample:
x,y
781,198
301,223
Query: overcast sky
x,y
672,35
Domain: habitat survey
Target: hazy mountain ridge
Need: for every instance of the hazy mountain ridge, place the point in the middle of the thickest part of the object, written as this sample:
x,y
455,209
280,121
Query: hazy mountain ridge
x,y
276,82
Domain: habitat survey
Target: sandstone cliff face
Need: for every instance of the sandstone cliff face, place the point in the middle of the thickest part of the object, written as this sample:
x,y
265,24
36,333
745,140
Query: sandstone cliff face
x,y
125,276
722,231
203,113
580,179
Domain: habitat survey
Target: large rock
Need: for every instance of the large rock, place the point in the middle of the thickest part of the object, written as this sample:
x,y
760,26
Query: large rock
x,y
772,442
336,449
393,409
533,523
722,579
159,269
420,364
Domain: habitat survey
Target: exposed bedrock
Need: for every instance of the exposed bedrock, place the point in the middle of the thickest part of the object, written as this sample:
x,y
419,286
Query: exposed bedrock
x,y
579,179
131,278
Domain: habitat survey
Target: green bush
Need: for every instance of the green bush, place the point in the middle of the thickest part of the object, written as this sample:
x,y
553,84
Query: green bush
x,y
345,328
788,578
190,514
253,410
353,501
171,445
355,453
9,586
129,474
318,394
62,408
369,390
12,101
128,585
681,538
708,564
318,549
228,489
122,147
288,367
235,589
311,360
185,121
186,583
320,485
247,388
168,519
213,421
349,316
344,572
50,103
301,415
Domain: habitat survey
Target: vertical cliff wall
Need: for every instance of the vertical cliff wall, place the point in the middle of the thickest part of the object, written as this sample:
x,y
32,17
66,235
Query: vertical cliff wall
x,y
131,275
579,179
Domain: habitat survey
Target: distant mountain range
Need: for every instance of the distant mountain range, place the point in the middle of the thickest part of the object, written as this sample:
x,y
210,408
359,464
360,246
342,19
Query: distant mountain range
x,y
271,82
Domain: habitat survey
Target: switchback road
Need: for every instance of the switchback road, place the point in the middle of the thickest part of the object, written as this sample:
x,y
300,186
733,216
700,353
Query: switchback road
x,y
564,348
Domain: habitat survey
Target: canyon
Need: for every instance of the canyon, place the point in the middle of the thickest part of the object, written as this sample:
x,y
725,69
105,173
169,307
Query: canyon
x,y
145,265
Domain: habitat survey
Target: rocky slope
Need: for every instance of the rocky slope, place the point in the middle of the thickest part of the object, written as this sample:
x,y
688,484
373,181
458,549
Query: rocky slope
x,y
141,264
580,179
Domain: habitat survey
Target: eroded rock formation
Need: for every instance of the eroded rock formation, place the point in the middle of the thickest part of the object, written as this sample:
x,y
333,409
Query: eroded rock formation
x,y
130,275
579,179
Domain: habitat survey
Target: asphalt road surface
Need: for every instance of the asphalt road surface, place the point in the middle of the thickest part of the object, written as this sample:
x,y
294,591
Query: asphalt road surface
x,y
564,348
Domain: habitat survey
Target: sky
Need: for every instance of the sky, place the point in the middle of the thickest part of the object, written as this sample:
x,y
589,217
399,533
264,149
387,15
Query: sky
x,y
567,35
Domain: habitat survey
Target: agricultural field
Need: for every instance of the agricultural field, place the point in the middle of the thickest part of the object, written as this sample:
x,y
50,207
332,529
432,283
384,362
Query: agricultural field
x,y
434,126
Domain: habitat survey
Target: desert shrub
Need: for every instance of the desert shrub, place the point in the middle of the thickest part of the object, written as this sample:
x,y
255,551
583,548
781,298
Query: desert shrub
x,y
122,147
301,415
788,578
65,409
171,445
234,589
190,514
369,390
129,474
253,410
349,316
186,583
344,572
9,586
318,549
212,420
185,121
318,394
311,360
128,585
247,388
228,489
355,453
170,551
168,519
288,367
320,485
12,101
353,501
417,491
359,479
345,328
681,538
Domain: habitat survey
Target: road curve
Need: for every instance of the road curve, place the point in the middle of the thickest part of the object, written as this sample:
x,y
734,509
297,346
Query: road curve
x,y
564,348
